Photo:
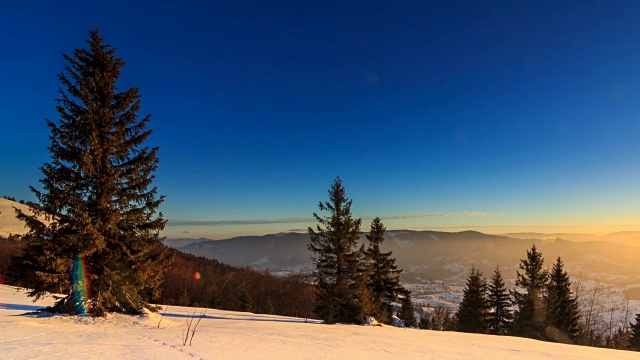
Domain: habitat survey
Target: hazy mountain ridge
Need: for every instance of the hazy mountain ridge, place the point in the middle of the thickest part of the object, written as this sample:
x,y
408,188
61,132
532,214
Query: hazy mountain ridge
x,y
425,254
433,254
630,238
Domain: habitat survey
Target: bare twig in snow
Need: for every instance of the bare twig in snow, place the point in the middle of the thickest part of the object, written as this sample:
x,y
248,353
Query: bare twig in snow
x,y
193,332
188,335
189,322
162,315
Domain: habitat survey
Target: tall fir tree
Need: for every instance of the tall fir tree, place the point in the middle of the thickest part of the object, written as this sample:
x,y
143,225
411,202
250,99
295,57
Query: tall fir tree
x,y
530,313
563,314
499,317
472,313
335,255
97,196
384,282
407,312
634,339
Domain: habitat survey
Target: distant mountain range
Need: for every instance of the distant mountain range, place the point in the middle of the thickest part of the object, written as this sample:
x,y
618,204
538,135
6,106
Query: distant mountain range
x,y
432,254
422,254
631,238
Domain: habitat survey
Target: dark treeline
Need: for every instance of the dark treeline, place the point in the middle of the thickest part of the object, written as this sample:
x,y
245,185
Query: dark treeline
x,y
9,246
196,281
21,201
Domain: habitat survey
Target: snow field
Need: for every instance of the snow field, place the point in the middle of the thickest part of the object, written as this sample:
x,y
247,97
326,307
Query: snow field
x,y
236,335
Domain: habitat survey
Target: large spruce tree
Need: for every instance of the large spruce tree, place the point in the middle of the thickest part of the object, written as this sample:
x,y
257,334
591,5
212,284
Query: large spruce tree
x,y
97,196
530,298
472,313
384,282
499,316
563,314
337,259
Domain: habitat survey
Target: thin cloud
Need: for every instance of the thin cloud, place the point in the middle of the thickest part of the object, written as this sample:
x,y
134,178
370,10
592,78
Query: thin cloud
x,y
427,216
181,222
186,222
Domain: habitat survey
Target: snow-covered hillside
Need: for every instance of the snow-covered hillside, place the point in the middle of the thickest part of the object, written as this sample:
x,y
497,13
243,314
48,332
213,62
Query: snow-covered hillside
x,y
8,222
235,335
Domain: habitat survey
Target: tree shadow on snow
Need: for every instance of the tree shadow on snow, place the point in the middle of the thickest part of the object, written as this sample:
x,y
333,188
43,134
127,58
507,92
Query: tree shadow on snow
x,y
31,310
20,307
248,317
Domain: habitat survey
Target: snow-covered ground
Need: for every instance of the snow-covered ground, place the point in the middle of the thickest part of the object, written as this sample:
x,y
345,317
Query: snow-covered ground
x,y
8,222
235,335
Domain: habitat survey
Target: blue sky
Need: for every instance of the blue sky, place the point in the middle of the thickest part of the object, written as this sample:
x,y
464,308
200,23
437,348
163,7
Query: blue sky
x,y
496,116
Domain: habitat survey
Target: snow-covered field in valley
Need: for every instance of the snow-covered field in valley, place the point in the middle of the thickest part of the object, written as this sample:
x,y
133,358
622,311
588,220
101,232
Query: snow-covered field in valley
x,y
236,335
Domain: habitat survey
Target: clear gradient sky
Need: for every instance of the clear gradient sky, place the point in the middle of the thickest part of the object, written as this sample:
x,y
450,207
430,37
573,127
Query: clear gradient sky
x,y
498,116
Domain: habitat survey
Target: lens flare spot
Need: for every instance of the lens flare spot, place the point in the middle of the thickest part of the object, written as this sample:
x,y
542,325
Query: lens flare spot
x,y
196,275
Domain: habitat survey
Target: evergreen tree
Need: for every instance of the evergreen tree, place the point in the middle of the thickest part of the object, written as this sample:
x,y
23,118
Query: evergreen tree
x,y
96,195
634,340
619,339
472,313
269,308
358,304
245,301
407,311
530,315
384,282
499,316
563,314
185,299
443,319
424,322
337,260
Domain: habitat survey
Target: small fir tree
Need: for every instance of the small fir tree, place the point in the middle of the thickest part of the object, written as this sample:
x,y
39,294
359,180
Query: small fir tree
x,y
634,339
185,299
97,199
245,301
407,312
424,322
563,314
619,339
384,282
334,253
532,279
443,319
269,307
472,313
499,316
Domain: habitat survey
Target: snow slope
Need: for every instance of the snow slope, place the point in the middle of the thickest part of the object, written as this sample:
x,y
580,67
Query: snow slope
x,y
8,222
235,335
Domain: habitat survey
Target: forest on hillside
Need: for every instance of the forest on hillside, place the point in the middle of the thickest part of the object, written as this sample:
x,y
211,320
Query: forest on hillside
x,y
200,282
